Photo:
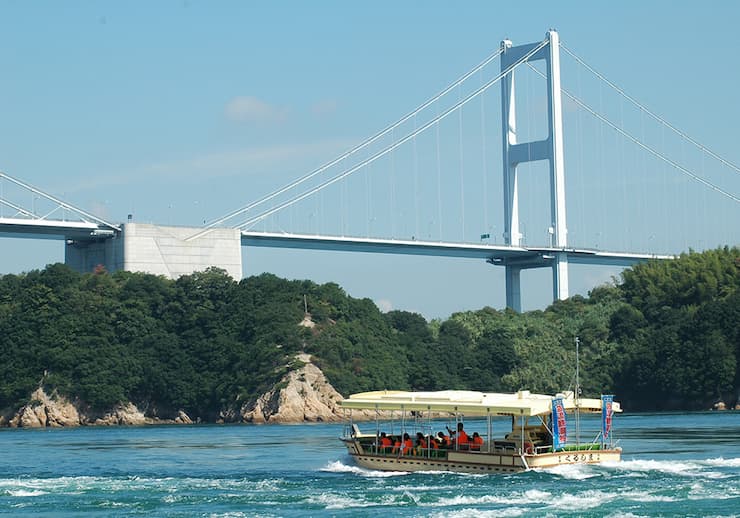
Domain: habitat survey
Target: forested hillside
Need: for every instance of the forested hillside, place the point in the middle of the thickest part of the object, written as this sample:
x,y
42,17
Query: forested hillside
x,y
665,337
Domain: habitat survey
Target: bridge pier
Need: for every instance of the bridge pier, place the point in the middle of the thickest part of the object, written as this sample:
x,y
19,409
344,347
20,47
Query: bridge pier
x,y
159,250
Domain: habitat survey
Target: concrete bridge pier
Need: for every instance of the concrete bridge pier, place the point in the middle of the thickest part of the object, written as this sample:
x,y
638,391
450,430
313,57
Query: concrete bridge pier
x,y
159,250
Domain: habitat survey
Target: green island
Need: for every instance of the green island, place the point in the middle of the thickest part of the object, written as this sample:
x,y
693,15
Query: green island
x,y
665,336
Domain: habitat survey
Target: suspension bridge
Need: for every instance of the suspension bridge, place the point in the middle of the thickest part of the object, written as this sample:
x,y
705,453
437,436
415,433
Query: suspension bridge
x,y
477,171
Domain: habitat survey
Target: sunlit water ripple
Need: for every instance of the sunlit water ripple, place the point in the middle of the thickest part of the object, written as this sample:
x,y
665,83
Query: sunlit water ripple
x,y
674,465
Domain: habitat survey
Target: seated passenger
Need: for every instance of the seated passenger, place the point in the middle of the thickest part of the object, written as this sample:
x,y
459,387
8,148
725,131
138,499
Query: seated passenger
x,y
461,440
432,442
397,445
477,442
385,443
443,440
421,444
408,444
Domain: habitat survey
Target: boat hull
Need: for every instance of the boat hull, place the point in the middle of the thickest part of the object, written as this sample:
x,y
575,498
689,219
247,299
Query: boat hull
x,y
479,462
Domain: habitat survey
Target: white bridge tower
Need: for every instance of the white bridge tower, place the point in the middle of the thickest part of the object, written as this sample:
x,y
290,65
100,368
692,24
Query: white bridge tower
x,y
515,153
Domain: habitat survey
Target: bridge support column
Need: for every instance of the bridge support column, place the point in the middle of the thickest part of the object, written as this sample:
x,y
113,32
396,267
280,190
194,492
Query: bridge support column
x,y
560,277
513,288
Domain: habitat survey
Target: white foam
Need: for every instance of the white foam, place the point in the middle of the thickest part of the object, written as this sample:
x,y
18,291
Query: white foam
x,y
339,467
644,496
581,501
722,462
532,496
570,471
477,513
334,501
25,492
684,469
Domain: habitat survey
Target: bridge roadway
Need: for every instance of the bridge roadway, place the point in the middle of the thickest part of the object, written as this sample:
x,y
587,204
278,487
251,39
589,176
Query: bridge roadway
x,y
53,229
522,257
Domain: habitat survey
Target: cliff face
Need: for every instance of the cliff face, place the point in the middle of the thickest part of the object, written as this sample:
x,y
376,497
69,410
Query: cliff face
x,y
303,395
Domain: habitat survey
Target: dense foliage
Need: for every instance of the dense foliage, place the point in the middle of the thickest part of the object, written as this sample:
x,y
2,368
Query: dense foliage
x,y
665,337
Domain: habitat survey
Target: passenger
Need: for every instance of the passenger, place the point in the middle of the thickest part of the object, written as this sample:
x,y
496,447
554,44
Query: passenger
x,y
477,442
385,443
408,444
421,444
444,440
461,440
432,442
397,446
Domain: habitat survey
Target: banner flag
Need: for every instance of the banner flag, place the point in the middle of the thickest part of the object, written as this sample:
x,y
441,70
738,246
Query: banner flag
x,y
606,415
559,426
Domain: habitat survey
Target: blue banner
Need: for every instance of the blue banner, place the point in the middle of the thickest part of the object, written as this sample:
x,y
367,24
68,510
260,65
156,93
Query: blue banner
x,y
606,415
559,426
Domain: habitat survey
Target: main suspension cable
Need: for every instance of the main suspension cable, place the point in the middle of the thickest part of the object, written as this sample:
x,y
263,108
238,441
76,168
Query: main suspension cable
x,y
649,112
647,148
355,149
393,146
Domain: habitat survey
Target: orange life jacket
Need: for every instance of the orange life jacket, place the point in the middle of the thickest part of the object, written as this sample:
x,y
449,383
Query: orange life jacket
x,y
407,445
462,437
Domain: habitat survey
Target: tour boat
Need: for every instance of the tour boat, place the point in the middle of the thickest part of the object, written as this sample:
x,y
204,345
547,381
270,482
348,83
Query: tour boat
x,y
536,434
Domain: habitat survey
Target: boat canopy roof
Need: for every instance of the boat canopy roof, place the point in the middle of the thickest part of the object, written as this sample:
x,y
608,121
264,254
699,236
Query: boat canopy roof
x,y
470,402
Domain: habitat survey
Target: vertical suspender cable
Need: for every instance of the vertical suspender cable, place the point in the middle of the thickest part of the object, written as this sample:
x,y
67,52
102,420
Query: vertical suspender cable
x,y
393,188
485,168
462,177
439,182
416,186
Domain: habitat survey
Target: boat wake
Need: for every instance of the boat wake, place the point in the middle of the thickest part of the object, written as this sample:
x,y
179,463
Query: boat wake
x,y
338,466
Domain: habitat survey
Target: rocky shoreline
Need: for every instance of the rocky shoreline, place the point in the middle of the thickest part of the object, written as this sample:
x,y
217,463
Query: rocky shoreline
x,y
303,395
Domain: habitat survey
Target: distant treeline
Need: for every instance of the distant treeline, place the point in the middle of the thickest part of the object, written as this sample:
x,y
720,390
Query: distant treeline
x,y
666,336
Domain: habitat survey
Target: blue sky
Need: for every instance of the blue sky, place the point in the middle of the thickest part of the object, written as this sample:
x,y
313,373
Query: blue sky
x,y
178,112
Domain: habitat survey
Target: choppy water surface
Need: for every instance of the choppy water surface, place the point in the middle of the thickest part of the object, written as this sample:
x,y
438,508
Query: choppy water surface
x,y
674,465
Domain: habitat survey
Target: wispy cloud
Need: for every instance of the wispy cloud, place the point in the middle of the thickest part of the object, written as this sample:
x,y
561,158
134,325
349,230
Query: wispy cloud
x,y
300,157
324,107
252,109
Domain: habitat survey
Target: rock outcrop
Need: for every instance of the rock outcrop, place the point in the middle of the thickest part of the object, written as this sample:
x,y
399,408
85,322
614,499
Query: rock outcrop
x,y
44,410
303,395
125,414
52,410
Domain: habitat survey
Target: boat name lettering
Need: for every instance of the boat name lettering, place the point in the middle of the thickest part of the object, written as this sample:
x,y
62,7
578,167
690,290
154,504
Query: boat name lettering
x,y
579,457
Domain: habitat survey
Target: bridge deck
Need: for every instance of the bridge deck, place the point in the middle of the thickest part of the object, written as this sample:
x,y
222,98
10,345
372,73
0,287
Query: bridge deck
x,y
524,257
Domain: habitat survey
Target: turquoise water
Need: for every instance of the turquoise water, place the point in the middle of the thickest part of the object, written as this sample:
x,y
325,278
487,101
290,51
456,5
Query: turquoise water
x,y
674,465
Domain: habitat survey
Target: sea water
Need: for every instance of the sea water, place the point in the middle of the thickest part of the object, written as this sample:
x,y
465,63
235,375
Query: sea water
x,y
673,465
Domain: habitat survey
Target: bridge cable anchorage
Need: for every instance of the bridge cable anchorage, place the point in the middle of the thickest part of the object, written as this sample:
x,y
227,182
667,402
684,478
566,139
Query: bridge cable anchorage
x,y
251,221
355,149
83,214
647,148
651,113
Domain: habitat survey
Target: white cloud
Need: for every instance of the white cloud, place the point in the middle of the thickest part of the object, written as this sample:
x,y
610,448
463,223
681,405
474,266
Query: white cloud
x,y
384,305
252,109
324,107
